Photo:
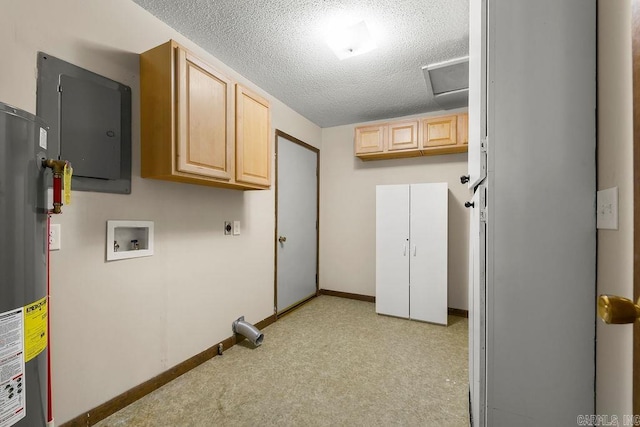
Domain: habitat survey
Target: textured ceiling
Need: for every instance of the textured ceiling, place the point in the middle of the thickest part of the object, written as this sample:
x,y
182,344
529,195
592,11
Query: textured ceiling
x,y
280,46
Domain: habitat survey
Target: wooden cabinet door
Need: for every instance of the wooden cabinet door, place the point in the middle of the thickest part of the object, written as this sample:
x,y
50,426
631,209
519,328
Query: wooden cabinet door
x,y
439,131
253,138
370,139
204,118
463,129
403,135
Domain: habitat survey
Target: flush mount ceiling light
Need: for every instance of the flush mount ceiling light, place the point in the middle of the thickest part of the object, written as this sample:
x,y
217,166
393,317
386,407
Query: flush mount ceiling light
x,y
351,41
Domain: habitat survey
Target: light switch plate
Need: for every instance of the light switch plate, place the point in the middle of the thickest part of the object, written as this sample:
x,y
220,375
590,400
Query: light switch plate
x,y
54,237
236,228
607,209
227,228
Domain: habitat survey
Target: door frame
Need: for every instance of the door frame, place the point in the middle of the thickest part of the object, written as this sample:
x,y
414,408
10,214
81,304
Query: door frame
x,y
303,144
635,49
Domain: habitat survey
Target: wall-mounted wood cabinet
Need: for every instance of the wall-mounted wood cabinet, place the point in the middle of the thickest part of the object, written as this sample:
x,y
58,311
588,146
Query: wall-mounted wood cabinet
x,y
463,129
371,139
204,118
253,148
424,136
403,135
439,131
198,126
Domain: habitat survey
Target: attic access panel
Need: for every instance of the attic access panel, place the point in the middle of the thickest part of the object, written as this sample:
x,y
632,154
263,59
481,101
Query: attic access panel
x,y
448,76
449,82
90,124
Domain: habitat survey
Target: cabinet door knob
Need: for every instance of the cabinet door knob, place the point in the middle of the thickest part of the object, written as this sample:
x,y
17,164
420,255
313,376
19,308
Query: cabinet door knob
x,y
469,204
464,179
282,239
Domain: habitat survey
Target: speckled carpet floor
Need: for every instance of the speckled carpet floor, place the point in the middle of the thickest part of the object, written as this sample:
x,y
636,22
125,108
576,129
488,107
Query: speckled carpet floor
x,y
332,362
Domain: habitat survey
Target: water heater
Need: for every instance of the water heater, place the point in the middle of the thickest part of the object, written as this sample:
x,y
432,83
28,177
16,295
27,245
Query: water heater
x,y
23,269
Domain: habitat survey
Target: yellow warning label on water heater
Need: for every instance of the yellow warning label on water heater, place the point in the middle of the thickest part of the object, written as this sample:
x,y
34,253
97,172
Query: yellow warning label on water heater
x,y
68,173
35,328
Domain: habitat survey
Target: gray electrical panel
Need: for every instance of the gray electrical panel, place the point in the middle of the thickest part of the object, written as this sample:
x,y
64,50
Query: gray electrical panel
x,y
90,120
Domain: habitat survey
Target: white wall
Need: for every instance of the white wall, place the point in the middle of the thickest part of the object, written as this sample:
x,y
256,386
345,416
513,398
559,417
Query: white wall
x,y
615,168
347,212
117,324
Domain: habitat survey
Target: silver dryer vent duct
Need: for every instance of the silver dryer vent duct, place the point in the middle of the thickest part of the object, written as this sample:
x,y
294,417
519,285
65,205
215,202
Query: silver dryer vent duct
x,y
252,333
449,82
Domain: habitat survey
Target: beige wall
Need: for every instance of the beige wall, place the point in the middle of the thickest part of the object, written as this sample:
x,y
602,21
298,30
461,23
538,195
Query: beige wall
x,y
615,169
117,324
347,212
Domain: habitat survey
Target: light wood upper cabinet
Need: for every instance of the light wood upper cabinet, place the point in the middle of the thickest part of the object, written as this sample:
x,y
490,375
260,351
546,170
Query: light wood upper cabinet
x,y
425,136
370,139
387,140
463,129
403,135
439,131
189,112
253,142
205,118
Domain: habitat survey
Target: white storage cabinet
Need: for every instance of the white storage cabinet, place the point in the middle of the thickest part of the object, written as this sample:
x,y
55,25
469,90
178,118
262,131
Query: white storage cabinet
x,y
411,251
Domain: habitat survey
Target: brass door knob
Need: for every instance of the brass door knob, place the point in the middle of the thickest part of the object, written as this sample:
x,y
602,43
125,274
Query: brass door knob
x,y
282,239
617,310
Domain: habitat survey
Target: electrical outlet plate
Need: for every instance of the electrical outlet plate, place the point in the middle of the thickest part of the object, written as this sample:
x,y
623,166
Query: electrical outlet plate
x,y
54,237
227,228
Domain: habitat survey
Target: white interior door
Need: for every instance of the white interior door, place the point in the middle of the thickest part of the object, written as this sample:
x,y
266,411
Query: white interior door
x,y
392,250
477,336
297,226
428,252
541,228
477,158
